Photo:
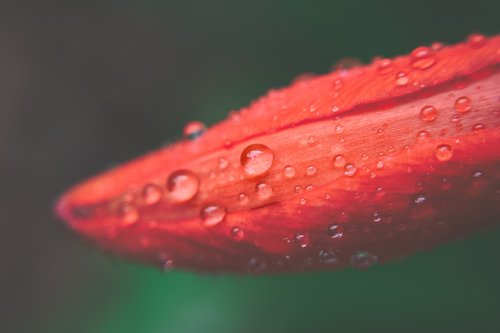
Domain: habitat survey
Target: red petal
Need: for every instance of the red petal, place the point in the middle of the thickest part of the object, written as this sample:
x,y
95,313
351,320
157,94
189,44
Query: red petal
x,y
350,168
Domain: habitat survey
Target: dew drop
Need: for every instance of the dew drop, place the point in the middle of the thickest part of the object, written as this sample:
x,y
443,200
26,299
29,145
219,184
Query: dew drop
x,y
478,127
363,260
339,161
182,185
264,191
303,201
151,194
243,198
237,233
223,163
256,159
302,240
297,189
327,257
423,136
402,79
309,188
339,129
350,170
476,40
463,104
428,113
443,152
422,58
194,130
335,231
420,199
289,171
212,215
311,170
385,66
128,213
335,108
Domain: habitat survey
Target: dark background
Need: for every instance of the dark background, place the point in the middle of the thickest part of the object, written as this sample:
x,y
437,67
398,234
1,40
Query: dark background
x,y
86,85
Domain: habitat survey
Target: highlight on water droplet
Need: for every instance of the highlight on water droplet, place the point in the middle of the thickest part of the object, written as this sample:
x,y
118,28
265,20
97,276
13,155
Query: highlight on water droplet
x,y
443,152
194,129
302,240
213,215
264,191
289,171
350,170
363,260
335,231
422,58
256,159
463,104
182,185
151,194
428,113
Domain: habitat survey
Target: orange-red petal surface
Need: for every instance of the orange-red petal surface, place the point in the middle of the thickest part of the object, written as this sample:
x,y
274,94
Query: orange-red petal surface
x,y
354,167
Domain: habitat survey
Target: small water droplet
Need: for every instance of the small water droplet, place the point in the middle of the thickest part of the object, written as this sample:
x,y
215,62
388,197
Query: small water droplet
x,y
380,164
237,233
478,127
335,108
223,163
463,104
422,58
297,189
428,113
385,66
376,217
128,213
182,185
423,136
380,131
363,260
350,170
420,199
243,198
335,231
311,170
402,79
212,215
289,171
339,129
327,257
303,201
339,161
264,191
444,152
256,159
194,130
476,40
151,194
302,240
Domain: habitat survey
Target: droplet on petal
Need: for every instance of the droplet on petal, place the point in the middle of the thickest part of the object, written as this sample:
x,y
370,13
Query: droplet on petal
x,y
256,159
422,58
444,153
463,104
428,113
194,130
339,161
237,233
289,171
151,194
264,191
350,170
363,260
402,79
213,215
182,185
128,213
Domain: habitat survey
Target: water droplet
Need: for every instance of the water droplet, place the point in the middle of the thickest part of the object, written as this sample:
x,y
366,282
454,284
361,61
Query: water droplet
x,y
478,127
311,170
335,108
444,153
420,199
363,260
243,198
302,240
297,189
380,131
455,118
151,194
476,40
428,113
436,46
339,129
194,130
339,161
182,185
303,201
309,188
385,66
422,58
264,191
327,257
213,215
289,171
256,159
402,79
380,164
237,233
127,213
364,156
463,104
350,170
423,136
377,218
223,163
335,231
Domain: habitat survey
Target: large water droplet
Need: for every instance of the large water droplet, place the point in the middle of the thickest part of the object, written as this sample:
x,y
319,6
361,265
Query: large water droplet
x,y
363,260
194,130
151,194
463,104
264,191
182,185
256,159
443,152
428,113
213,215
422,58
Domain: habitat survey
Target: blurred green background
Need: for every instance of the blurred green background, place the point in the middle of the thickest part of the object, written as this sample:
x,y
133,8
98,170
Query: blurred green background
x,y
85,85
